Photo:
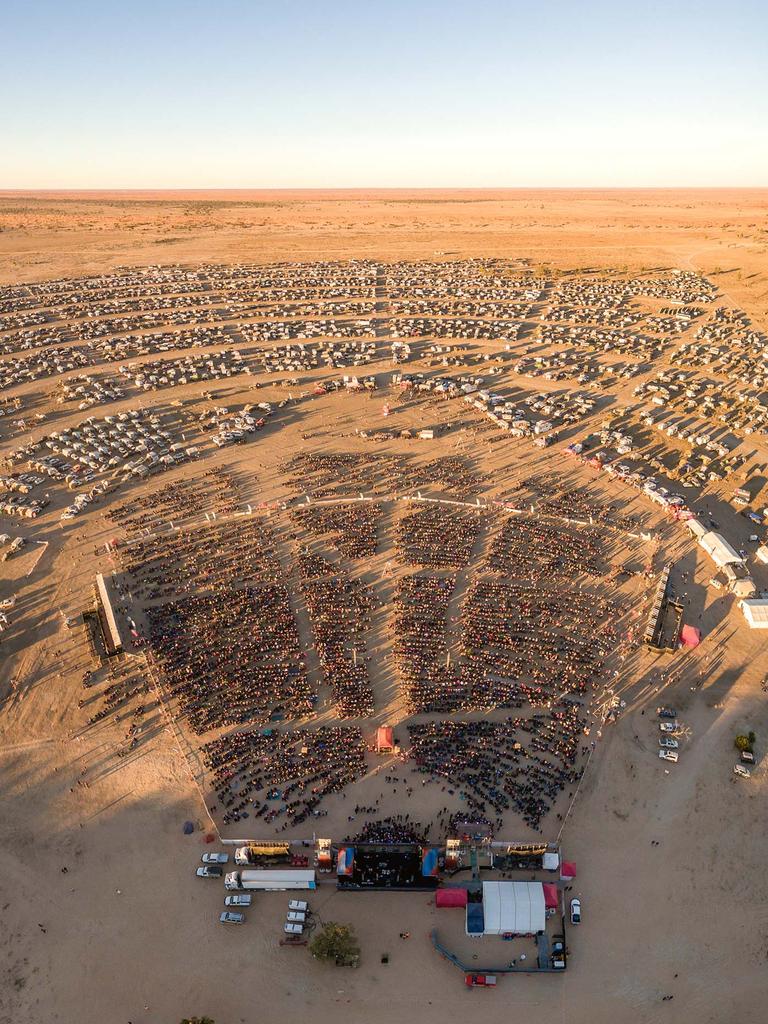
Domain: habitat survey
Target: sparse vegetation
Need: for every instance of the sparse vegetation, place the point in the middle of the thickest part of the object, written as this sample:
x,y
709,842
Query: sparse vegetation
x,y
336,944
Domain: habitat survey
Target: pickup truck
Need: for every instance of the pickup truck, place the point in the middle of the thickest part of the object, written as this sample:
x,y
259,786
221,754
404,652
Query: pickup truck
x,y
210,871
240,899
231,917
215,858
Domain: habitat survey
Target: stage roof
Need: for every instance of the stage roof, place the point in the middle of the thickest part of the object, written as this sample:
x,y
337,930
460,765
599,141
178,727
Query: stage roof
x,y
109,613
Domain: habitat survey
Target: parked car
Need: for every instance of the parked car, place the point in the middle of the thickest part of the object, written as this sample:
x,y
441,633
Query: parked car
x,y
215,858
240,899
301,905
293,929
668,743
231,917
741,771
666,712
210,871
558,954
575,911
668,726
747,757
668,755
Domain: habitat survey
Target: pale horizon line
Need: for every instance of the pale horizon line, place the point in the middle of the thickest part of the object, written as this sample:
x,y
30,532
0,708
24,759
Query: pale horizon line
x,y
16,190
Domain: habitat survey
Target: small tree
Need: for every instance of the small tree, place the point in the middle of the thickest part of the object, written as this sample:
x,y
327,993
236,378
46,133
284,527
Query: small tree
x,y
742,743
336,943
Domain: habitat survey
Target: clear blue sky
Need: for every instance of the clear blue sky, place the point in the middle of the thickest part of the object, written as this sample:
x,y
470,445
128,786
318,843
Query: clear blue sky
x,y
334,93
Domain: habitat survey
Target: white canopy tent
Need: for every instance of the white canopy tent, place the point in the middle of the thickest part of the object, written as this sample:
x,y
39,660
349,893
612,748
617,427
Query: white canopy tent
x,y
513,908
756,613
697,529
719,550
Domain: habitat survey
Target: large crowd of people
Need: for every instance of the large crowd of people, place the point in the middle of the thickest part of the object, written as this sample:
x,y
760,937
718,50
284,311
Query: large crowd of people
x,y
200,559
419,641
282,777
390,830
530,544
342,474
231,656
522,644
339,609
214,604
521,763
223,636
220,627
438,536
214,490
580,503
352,528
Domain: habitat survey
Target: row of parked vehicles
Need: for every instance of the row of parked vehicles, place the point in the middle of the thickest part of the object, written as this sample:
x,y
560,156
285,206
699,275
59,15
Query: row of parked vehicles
x,y
668,728
298,910
212,865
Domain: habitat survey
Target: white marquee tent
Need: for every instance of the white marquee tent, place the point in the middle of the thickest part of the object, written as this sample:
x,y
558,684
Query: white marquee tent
x,y
756,613
719,550
513,907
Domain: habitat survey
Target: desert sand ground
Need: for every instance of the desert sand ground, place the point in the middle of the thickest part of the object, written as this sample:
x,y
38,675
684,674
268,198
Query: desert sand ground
x,y
52,234
127,933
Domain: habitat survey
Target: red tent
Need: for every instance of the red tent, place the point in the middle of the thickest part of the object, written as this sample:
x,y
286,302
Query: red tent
x,y
690,636
551,895
385,739
451,898
568,870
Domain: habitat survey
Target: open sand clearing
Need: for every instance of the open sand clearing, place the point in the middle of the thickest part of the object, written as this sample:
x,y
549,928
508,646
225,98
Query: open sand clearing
x,y
104,918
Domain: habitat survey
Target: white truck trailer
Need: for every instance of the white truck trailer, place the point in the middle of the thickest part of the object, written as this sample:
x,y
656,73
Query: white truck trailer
x,y
270,880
